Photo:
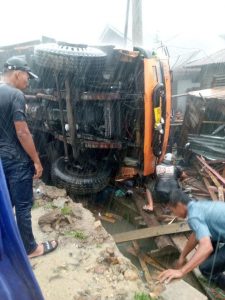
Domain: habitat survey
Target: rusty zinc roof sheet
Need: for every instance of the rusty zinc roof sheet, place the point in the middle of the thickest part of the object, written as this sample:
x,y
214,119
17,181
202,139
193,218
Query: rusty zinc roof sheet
x,y
215,58
214,93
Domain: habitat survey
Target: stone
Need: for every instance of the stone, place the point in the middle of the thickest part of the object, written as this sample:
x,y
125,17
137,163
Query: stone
x,y
97,297
97,224
131,275
47,228
52,192
120,260
59,202
100,259
121,295
122,268
100,269
120,277
110,251
76,211
49,218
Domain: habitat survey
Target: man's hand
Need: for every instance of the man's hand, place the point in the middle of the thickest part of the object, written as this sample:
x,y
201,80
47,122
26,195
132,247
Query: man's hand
x,y
38,170
170,274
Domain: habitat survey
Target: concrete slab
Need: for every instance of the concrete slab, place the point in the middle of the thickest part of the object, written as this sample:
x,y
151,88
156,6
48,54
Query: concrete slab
x,y
179,289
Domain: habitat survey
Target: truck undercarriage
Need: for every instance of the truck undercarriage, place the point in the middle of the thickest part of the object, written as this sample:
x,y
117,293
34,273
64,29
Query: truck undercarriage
x,y
97,110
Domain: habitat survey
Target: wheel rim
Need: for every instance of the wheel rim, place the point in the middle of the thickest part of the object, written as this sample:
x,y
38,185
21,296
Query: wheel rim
x,y
76,168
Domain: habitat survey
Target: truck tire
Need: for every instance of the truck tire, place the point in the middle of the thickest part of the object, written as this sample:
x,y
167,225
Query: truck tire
x,y
80,183
77,59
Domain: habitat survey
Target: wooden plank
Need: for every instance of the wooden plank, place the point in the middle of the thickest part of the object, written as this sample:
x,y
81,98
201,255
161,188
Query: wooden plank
x,y
144,267
211,192
218,176
149,260
166,251
151,232
218,185
223,174
107,219
151,220
220,193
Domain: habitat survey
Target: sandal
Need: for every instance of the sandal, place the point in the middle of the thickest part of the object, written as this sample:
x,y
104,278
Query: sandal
x,y
48,246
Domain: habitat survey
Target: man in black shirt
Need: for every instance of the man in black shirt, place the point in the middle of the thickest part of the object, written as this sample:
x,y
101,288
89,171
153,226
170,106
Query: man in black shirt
x,y
17,151
167,175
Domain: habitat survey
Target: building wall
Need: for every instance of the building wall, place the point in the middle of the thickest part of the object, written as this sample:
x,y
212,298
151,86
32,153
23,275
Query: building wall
x,y
208,72
184,86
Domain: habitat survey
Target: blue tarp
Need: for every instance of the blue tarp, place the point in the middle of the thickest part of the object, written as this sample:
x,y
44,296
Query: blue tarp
x,y
17,280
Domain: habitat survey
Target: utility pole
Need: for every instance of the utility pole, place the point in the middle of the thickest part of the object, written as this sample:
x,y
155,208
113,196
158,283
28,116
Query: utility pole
x,y
126,23
137,34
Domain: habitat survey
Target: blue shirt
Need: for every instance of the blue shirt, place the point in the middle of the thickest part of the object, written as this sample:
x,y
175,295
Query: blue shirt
x,y
207,219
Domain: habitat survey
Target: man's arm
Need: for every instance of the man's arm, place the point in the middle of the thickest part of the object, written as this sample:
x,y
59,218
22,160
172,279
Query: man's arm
x,y
180,173
204,250
26,140
190,245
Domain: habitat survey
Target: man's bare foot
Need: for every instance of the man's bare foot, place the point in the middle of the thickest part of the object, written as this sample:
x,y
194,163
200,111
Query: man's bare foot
x,y
147,208
44,248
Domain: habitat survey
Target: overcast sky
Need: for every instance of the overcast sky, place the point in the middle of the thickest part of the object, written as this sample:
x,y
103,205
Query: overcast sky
x,y
84,20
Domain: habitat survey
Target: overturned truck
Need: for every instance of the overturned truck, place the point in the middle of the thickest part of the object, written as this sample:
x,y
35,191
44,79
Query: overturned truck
x,y
97,113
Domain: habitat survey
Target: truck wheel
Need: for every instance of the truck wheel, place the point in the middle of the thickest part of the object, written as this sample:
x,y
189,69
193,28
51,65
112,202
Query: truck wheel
x,y
77,58
80,180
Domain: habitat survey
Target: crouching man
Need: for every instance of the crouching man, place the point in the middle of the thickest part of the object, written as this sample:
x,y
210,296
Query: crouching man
x,y
207,221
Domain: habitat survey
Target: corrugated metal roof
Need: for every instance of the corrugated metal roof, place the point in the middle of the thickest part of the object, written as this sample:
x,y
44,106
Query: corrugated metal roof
x,y
215,58
215,93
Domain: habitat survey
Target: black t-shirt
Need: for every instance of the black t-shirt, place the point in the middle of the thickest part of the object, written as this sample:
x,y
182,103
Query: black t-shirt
x,y
167,177
12,108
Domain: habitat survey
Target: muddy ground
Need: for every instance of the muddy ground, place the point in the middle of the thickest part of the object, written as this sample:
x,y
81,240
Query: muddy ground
x,y
87,264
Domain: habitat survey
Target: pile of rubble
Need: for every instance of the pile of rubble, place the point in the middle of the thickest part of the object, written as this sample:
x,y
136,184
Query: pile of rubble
x,y
87,264
207,179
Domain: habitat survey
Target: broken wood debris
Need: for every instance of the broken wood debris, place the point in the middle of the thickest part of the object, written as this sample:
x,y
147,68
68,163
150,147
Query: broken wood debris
x,y
209,182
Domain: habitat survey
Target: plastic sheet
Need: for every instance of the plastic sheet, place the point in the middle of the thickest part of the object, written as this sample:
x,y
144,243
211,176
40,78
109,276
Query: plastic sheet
x,y
17,281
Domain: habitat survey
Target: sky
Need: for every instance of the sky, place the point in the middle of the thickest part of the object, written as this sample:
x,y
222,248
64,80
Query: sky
x,y
83,21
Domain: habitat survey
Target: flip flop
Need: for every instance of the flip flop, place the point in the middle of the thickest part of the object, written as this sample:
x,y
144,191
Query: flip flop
x,y
48,246
147,210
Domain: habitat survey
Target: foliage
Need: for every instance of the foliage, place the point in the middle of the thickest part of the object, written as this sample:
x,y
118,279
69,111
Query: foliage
x,y
35,205
141,296
76,234
66,210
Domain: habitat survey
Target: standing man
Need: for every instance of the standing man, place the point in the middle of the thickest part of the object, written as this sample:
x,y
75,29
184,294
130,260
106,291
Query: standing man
x,y
17,151
207,221
167,175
